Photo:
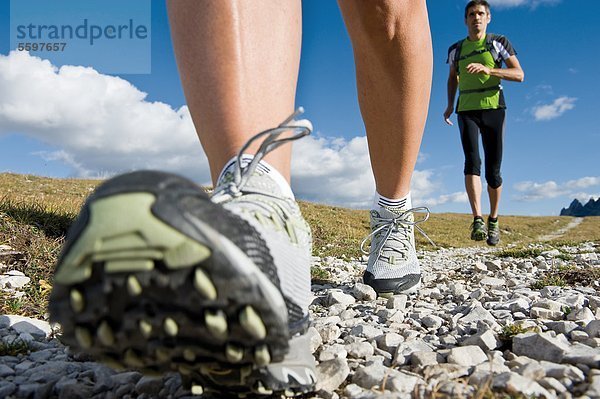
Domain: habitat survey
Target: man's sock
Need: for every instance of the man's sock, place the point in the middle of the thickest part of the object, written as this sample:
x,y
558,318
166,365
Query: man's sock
x,y
391,204
493,220
263,167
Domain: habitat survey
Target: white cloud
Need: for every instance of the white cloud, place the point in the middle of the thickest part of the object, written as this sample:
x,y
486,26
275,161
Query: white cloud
x,y
97,123
547,112
584,197
519,3
532,191
100,125
584,182
458,197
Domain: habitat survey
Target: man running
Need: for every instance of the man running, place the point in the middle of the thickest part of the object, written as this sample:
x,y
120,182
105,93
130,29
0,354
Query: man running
x,y
476,71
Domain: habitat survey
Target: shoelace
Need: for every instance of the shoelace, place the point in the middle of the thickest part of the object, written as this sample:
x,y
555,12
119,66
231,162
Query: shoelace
x,y
241,174
388,225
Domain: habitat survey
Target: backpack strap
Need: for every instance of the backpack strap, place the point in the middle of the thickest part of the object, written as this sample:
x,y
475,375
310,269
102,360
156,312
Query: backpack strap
x,y
457,56
489,44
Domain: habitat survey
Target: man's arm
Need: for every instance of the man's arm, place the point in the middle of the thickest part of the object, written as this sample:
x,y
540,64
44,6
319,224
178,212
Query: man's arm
x,y
452,86
513,70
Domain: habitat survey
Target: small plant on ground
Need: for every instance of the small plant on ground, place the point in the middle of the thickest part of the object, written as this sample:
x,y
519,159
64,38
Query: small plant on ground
x,y
317,274
14,348
510,330
519,253
551,279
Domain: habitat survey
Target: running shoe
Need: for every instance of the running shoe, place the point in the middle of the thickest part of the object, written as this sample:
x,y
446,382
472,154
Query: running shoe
x,y
493,232
393,267
478,232
157,276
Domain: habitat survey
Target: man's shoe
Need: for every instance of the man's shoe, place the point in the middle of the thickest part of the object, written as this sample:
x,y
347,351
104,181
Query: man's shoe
x,y
478,232
393,267
493,232
156,276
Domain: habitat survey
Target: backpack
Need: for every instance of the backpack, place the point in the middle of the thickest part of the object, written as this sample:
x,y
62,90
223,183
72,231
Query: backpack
x,y
489,46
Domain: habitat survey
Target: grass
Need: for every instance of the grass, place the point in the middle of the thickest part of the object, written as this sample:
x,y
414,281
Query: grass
x,y
17,347
35,213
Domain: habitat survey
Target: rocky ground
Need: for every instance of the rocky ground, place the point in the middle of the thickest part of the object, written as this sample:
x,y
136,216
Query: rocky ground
x,y
479,324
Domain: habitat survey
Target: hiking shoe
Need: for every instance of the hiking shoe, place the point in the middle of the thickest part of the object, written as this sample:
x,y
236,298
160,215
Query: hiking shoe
x,y
478,232
393,267
493,232
157,276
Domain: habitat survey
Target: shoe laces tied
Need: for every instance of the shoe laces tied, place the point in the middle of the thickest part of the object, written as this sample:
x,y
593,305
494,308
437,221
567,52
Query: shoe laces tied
x,y
389,225
271,141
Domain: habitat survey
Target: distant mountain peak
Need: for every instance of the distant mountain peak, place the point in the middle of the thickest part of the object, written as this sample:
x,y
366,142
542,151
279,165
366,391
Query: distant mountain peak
x,y
591,208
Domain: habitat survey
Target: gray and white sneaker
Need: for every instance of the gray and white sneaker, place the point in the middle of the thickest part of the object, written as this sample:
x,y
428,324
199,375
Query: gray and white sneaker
x,y
393,267
246,190
157,276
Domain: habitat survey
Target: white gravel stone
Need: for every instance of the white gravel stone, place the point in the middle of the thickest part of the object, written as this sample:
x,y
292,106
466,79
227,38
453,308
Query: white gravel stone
x,y
486,340
468,356
494,265
402,383
579,336
14,281
364,292
397,302
539,346
552,384
541,313
341,298
432,321
20,324
493,282
360,350
515,384
332,374
582,354
315,339
423,359
593,390
366,331
389,342
329,332
593,328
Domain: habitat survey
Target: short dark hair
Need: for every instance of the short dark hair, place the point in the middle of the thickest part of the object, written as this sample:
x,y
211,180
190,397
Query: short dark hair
x,y
473,3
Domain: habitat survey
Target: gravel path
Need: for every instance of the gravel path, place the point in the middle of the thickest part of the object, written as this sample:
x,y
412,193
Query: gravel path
x,y
561,232
451,339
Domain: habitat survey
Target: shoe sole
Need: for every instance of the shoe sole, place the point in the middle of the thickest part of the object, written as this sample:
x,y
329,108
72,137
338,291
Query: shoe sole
x,y
295,375
135,292
388,287
493,243
479,236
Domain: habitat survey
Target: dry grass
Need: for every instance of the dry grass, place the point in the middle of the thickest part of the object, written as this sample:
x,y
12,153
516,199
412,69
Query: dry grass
x,y
35,213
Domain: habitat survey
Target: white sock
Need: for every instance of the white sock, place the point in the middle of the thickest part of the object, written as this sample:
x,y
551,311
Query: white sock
x,y
264,167
391,203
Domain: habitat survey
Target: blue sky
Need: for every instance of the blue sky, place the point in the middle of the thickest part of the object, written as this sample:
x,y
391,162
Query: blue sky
x,y
86,122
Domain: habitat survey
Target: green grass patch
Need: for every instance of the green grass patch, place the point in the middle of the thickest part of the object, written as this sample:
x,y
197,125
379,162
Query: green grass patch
x,y
318,275
17,347
519,253
549,280
510,330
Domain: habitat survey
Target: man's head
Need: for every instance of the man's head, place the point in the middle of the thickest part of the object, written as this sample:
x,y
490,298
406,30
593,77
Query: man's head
x,y
477,16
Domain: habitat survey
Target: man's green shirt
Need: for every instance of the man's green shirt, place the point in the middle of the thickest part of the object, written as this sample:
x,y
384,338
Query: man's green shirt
x,y
479,91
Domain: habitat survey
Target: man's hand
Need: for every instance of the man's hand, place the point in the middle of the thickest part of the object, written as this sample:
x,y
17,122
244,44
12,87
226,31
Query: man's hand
x,y
447,114
476,68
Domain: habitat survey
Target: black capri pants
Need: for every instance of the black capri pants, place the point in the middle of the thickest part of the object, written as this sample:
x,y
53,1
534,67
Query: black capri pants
x,y
490,122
